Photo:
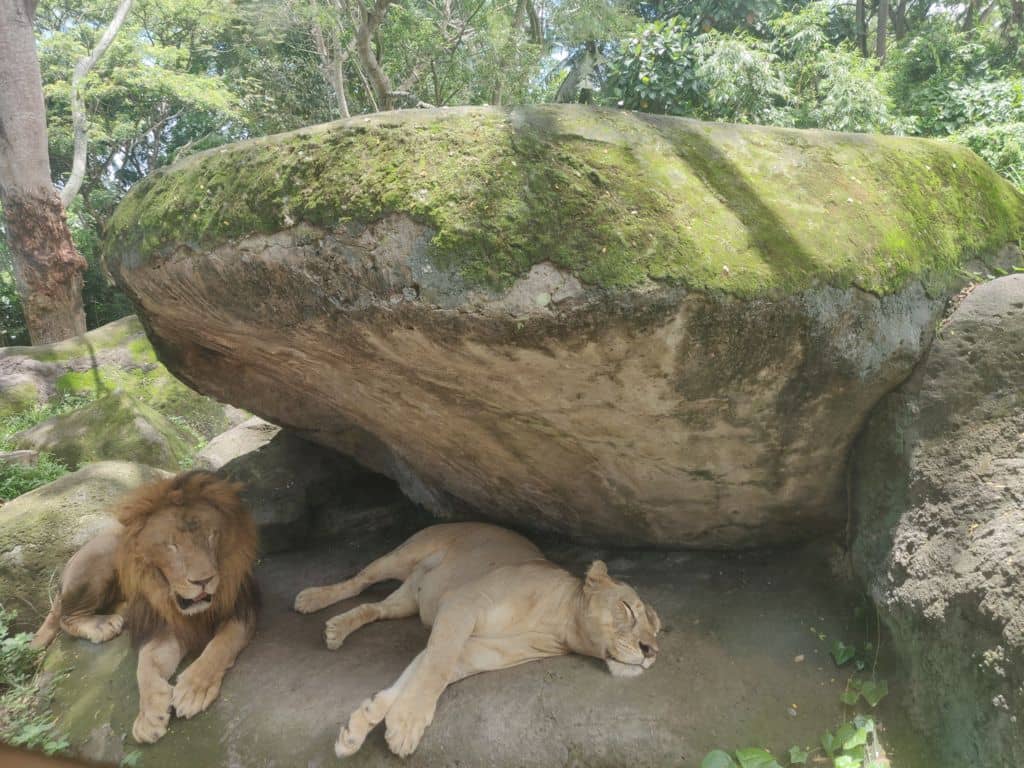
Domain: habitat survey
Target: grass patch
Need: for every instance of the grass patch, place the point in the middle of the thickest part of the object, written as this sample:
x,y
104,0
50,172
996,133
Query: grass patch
x,y
24,717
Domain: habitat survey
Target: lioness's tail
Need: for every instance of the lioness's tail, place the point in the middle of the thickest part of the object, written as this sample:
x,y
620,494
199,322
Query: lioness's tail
x,y
49,628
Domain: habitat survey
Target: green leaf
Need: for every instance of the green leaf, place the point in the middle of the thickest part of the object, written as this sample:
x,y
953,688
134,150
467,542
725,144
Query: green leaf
x,y
717,759
842,652
849,696
858,739
755,757
798,756
874,691
845,761
829,743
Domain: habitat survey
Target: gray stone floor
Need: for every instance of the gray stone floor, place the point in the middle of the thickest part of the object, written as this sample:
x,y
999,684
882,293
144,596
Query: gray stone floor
x,y
726,676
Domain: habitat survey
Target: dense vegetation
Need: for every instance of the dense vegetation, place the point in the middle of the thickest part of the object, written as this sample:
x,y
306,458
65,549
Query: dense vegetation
x,y
185,75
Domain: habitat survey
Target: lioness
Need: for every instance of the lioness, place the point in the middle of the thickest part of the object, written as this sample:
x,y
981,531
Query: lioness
x,y
179,562
494,601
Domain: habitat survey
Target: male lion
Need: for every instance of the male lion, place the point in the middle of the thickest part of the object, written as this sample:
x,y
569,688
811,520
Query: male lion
x,y
494,601
179,562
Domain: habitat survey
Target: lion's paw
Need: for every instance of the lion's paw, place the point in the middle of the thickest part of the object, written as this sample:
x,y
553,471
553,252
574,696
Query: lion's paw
x,y
195,690
405,729
348,743
154,715
336,630
107,628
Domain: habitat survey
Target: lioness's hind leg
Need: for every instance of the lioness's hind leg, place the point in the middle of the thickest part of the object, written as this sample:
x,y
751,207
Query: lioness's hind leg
x,y
397,564
398,605
370,713
97,628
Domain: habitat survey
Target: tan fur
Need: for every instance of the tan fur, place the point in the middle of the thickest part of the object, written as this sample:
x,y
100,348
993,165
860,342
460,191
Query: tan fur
x,y
180,557
493,601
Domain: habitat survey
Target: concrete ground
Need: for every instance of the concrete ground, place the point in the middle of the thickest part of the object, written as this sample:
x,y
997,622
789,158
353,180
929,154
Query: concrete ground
x,y
727,676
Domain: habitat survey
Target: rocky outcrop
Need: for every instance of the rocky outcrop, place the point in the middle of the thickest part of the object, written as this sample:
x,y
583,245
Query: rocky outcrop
x,y
251,435
299,492
41,529
115,356
626,327
116,426
939,502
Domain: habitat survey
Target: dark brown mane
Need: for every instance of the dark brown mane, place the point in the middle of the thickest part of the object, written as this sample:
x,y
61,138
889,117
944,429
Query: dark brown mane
x,y
151,609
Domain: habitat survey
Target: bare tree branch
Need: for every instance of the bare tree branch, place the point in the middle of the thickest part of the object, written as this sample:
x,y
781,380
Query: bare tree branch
x,y
78,116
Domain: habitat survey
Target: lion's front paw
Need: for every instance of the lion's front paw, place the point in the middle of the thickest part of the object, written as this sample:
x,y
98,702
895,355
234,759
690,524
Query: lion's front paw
x,y
405,728
312,599
154,715
106,628
195,690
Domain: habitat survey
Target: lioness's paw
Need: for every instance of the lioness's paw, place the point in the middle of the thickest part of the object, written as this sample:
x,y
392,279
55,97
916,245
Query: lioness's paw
x,y
154,715
195,690
311,599
107,628
405,729
348,743
336,630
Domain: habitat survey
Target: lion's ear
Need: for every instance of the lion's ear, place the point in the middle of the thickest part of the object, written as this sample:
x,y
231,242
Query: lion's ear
x,y
597,574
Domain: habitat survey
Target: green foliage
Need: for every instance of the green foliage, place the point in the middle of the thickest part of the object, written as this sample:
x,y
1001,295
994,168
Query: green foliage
x,y
23,718
16,479
1002,146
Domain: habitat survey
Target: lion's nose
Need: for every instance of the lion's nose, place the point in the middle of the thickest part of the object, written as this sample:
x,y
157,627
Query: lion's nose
x,y
201,582
649,650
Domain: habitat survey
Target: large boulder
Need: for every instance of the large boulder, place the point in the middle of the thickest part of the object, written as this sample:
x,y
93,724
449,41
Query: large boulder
x,y
40,530
939,503
621,326
116,426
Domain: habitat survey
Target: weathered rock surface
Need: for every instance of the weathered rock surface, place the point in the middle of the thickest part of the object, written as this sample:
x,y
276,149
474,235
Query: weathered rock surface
x,y
939,500
299,491
41,529
116,426
636,328
116,356
725,677
252,434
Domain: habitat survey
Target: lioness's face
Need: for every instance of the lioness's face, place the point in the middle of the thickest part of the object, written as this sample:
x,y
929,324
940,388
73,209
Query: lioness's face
x,y
624,626
181,543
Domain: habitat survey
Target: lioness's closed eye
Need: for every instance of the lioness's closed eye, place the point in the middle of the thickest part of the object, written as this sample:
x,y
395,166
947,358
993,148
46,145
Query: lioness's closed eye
x,y
494,602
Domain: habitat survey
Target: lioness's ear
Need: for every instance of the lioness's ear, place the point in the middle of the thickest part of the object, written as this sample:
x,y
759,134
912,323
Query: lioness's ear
x,y
597,574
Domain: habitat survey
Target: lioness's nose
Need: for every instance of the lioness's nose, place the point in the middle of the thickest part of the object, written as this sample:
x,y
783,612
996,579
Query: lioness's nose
x,y
201,582
648,650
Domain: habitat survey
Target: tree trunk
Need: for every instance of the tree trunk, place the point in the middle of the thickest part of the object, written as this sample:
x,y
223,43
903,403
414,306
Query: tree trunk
x,y
47,268
899,20
369,21
883,23
862,28
78,117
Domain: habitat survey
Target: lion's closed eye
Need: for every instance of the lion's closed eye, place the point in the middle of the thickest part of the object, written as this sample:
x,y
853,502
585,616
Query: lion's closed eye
x,y
629,613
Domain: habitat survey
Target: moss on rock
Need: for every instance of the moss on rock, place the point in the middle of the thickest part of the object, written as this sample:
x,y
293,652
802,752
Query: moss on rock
x,y
116,426
17,398
617,198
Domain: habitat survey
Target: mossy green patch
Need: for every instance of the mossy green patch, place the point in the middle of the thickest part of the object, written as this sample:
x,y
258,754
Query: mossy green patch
x,y
115,426
18,398
107,337
617,198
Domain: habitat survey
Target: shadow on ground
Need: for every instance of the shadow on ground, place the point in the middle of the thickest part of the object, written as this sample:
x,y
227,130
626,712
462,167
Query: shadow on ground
x,y
726,676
